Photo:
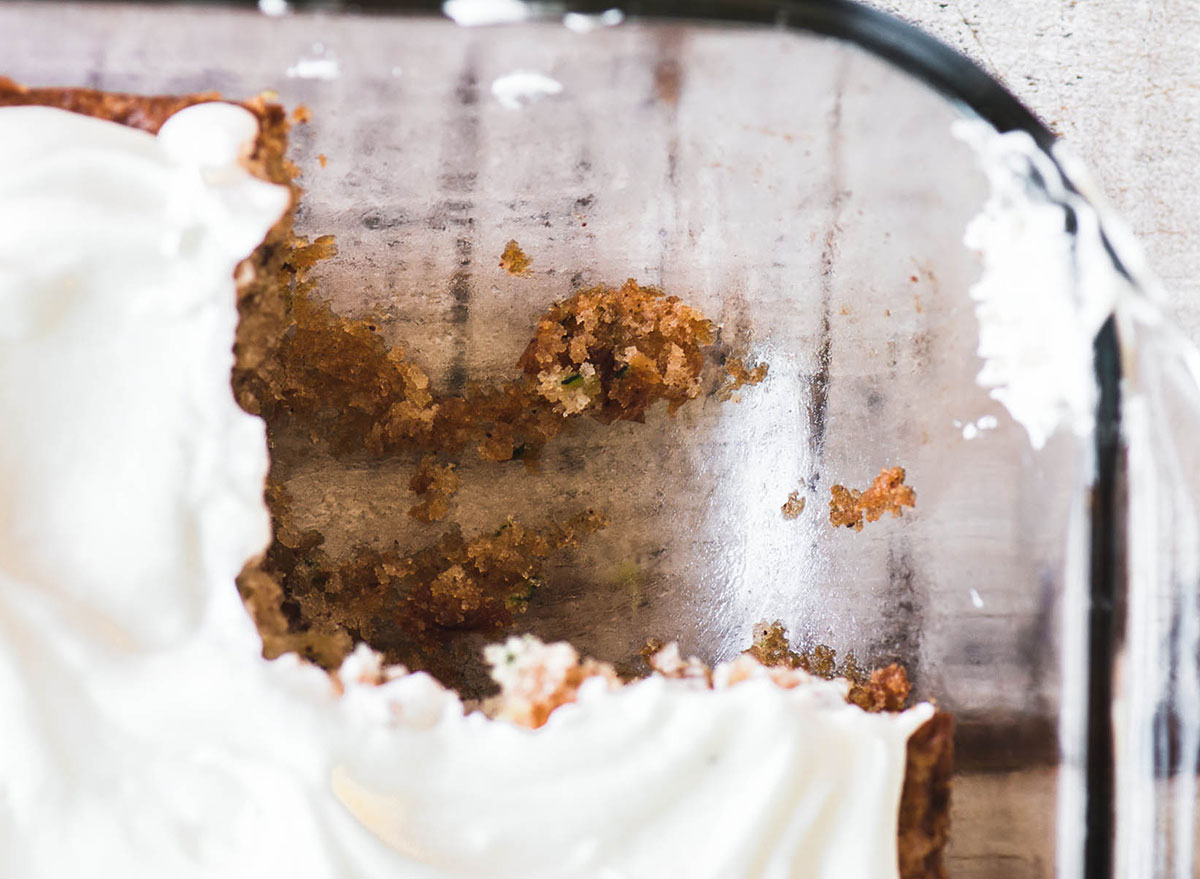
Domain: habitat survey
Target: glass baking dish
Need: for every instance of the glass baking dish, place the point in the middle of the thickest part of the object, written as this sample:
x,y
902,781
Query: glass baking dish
x,y
805,174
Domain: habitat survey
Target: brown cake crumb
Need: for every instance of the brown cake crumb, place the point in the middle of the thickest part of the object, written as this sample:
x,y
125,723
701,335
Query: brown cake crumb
x,y
514,261
436,483
771,648
844,508
739,376
887,494
301,114
886,690
794,506
322,159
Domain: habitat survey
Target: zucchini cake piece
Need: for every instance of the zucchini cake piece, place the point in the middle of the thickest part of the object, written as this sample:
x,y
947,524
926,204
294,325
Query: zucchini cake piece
x,y
146,735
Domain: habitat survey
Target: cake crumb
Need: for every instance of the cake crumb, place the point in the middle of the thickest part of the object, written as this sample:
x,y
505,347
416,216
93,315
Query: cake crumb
x,y
436,483
322,159
536,678
794,506
305,254
770,646
887,494
301,114
514,261
739,376
885,689
614,352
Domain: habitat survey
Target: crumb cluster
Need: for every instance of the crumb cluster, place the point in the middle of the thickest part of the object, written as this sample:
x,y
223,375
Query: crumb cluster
x,y
614,352
887,494
514,260
740,376
793,506
536,678
609,353
884,689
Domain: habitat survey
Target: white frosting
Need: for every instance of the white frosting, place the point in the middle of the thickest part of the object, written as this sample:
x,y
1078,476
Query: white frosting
x,y
273,8
658,778
515,90
1044,291
584,23
315,68
143,734
474,13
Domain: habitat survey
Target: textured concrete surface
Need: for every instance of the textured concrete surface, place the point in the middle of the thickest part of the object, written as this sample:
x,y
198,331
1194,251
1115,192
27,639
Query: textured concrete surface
x,y
1120,80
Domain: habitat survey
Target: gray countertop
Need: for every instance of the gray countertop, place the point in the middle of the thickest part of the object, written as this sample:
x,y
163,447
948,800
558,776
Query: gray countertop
x,y
1120,81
